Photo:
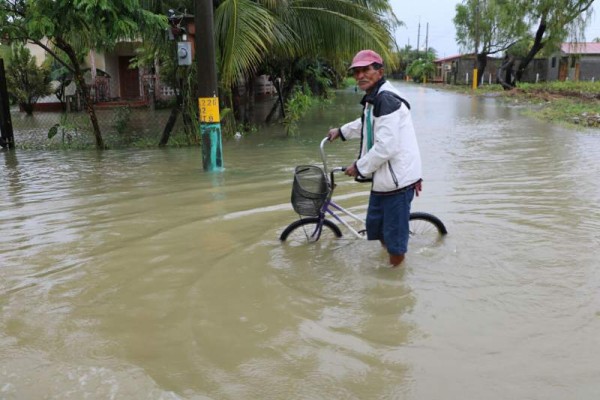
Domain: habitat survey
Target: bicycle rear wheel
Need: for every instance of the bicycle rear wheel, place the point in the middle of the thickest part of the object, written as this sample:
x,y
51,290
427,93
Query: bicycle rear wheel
x,y
425,229
304,231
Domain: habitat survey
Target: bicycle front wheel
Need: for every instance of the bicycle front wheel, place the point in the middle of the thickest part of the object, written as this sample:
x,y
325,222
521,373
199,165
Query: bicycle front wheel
x,y
426,229
305,231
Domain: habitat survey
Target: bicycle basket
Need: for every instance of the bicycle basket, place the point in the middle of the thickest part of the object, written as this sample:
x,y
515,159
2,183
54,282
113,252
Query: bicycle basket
x,y
309,191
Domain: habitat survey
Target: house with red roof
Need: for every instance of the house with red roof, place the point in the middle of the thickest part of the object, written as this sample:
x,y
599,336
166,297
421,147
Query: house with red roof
x,y
575,62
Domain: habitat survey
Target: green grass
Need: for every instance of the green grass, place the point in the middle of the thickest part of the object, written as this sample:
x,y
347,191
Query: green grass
x,y
583,89
571,103
568,111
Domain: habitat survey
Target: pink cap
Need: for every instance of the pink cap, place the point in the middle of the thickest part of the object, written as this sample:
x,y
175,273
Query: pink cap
x,y
364,58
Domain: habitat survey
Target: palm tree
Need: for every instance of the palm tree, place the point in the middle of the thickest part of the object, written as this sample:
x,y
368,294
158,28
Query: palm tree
x,y
291,39
280,35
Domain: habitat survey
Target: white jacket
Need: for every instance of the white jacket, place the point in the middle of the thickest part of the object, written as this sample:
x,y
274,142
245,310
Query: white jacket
x,y
394,161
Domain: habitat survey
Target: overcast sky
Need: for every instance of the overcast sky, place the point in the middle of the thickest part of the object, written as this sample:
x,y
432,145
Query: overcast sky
x,y
439,15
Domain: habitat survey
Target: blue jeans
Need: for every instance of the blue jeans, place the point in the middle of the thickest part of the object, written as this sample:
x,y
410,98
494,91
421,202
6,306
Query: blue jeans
x,y
387,219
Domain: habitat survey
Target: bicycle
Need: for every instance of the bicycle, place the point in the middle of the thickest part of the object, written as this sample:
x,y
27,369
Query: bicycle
x,y
312,193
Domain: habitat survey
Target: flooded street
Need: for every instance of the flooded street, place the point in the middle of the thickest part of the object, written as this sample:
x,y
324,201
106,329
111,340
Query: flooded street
x,y
136,275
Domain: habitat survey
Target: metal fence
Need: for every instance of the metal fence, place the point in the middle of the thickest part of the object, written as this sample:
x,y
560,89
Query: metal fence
x,y
120,126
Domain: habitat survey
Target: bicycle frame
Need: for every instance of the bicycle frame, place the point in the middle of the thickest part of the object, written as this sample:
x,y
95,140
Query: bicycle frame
x,y
340,220
330,203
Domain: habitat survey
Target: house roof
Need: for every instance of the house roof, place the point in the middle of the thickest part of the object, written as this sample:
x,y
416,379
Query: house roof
x,y
455,57
460,57
580,48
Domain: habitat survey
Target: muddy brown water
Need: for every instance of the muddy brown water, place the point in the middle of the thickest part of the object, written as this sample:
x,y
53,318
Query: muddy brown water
x,y
136,275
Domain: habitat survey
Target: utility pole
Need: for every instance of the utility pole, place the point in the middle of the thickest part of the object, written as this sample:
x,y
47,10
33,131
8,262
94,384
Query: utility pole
x,y
427,39
475,77
208,96
418,37
426,49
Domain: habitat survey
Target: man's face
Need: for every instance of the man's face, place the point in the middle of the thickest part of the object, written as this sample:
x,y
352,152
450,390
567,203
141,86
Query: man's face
x,y
367,77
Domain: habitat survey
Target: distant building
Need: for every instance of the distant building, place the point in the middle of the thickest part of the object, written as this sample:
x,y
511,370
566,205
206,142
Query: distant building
x,y
575,62
113,78
458,70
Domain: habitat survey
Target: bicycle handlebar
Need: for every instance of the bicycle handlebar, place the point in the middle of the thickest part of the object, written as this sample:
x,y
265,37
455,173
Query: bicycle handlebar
x,y
324,158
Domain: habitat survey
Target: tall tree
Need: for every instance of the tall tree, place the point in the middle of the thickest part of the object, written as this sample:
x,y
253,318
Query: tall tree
x,y
74,27
281,35
555,20
487,27
162,48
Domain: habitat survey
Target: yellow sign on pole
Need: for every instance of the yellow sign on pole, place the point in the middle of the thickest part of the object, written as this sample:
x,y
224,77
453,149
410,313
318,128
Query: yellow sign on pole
x,y
208,108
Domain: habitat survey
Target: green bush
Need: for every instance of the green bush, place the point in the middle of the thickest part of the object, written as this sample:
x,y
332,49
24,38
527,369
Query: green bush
x,y
121,119
26,82
297,105
420,69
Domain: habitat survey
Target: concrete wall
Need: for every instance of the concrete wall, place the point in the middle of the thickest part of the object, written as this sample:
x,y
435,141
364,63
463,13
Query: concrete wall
x,y
590,68
37,52
461,72
537,71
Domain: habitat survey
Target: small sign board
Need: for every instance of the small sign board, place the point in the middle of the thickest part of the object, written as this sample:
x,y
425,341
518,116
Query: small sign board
x,y
209,109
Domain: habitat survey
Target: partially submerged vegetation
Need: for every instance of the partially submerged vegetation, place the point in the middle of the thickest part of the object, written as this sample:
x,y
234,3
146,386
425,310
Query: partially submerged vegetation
x,y
573,103
568,102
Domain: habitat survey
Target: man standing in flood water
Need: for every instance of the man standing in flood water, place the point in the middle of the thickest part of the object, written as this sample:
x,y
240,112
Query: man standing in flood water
x,y
389,155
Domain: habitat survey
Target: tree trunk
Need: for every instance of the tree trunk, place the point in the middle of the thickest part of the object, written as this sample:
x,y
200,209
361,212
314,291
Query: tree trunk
x,y
504,75
85,93
538,45
283,92
272,112
249,106
190,127
481,65
236,104
89,108
28,108
171,122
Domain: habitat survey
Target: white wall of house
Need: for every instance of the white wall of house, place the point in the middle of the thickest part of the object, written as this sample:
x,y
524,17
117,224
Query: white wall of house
x,y
108,62
111,66
37,52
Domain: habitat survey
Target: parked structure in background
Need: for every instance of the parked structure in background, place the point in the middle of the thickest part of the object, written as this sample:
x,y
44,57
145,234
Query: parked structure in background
x,y
574,61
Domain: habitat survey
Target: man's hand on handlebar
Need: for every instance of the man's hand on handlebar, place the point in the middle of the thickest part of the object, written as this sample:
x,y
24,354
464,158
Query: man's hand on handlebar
x,y
351,170
333,134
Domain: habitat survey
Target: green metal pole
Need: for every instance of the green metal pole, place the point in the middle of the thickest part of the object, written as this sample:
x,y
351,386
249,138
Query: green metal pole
x,y
208,96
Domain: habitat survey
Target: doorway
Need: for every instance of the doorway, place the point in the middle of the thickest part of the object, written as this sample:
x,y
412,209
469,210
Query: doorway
x,y
129,79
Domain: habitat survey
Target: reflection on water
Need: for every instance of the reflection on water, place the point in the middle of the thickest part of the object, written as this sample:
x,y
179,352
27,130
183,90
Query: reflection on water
x,y
133,274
